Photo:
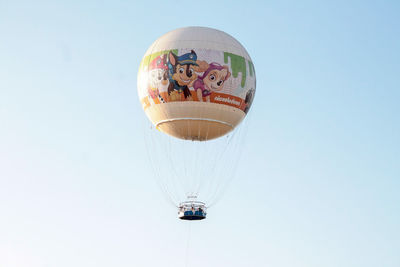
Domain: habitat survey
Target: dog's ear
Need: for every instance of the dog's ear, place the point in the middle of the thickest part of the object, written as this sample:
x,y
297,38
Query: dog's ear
x,y
202,66
172,58
225,70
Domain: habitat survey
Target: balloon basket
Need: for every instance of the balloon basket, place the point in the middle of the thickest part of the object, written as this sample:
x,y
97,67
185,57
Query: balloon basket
x,y
192,210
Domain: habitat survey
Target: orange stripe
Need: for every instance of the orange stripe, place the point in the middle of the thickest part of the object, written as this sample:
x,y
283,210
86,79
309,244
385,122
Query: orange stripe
x,y
226,99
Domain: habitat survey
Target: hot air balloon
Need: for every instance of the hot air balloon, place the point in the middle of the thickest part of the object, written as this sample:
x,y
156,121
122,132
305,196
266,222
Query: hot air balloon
x,y
195,85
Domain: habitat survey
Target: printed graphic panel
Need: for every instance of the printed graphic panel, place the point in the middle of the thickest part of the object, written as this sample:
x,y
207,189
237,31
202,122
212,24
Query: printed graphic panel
x,y
196,75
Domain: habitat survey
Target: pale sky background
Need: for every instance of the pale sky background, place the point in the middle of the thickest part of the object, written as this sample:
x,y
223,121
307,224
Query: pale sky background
x,y
320,182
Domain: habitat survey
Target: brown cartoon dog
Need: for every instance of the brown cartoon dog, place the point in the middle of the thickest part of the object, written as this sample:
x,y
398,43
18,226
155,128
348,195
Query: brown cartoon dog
x,y
182,73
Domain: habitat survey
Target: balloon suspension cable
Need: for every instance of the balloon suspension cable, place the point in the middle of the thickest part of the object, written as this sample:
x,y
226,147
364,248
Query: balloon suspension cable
x,y
166,192
241,134
187,246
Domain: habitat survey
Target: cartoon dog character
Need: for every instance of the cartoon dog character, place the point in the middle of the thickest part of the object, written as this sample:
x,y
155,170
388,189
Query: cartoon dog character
x,y
249,99
158,76
182,73
212,80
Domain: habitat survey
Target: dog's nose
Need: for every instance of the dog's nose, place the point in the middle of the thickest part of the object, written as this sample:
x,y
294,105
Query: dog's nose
x,y
189,72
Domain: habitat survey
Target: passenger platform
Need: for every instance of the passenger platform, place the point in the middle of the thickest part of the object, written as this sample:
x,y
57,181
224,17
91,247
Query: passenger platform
x,y
192,210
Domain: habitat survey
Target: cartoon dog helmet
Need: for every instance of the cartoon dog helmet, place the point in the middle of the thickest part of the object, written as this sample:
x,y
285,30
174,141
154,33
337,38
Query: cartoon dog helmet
x,y
188,58
158,63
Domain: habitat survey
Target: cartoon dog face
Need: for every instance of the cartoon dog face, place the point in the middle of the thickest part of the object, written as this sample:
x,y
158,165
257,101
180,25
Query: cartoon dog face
x,y
184,74
158,75
185,67
215,79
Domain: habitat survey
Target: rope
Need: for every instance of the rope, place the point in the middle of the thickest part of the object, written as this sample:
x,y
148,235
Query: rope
x,y
187,246
156,174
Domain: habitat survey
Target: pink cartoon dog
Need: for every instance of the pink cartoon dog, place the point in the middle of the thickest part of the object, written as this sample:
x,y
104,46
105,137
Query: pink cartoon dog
x,y
212,80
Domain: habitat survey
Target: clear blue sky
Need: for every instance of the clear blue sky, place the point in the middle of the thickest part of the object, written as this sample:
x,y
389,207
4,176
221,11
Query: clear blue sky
x,y
319,185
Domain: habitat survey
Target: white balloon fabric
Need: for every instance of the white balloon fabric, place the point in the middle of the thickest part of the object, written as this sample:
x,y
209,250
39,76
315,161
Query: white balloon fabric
x,y
196,83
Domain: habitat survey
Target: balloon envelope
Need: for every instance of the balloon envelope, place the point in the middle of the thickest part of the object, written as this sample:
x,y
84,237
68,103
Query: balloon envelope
x,y
196,83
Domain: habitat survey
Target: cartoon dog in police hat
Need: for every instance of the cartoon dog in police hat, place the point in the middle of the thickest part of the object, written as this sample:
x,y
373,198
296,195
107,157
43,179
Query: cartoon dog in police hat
x,y
182,73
